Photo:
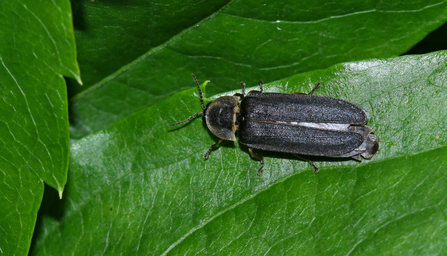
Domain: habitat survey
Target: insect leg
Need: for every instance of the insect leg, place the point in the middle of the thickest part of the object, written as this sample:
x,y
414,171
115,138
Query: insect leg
x,y
260,87
242,95
259,157
315,88
211,148
243,88
309,161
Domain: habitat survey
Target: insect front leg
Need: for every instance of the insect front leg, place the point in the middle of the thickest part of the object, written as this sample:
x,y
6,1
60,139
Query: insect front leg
x,y
259,157
242,95
211,149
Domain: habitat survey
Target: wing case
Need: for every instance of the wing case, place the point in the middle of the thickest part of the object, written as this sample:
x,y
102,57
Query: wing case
x,y
301,124
301,108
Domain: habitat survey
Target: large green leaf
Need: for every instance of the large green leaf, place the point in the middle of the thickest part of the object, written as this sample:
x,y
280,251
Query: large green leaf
x,y
141,187
244,39
36,49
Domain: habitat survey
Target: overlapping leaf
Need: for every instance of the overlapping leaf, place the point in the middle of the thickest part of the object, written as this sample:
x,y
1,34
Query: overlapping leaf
x,y
36,50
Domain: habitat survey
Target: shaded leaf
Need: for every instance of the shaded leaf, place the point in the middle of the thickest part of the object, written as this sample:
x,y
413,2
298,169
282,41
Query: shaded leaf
x,y
141,187
111,34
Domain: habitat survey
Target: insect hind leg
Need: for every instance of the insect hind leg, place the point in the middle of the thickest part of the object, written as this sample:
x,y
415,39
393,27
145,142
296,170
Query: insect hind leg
x,y
259,157
315,88
309,161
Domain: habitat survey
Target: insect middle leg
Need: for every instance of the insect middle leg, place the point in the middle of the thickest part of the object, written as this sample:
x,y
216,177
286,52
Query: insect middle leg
x,y
253,91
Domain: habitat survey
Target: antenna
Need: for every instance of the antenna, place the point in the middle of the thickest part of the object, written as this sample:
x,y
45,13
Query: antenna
x,y
201,102
200,91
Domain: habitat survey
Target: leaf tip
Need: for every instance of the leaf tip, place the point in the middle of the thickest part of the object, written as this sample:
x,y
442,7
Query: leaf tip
x,y
60,191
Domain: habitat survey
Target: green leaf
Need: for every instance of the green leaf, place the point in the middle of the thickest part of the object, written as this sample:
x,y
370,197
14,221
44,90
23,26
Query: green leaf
x,y
36,50
226,42
141,187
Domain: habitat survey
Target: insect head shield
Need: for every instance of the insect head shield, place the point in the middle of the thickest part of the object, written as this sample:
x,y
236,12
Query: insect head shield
x,y
301,124
220,117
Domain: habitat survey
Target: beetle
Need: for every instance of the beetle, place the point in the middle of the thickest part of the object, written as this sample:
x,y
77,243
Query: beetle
x,y
301,124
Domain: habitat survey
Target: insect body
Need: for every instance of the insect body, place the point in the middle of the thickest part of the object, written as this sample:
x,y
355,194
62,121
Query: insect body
x,y
301,124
